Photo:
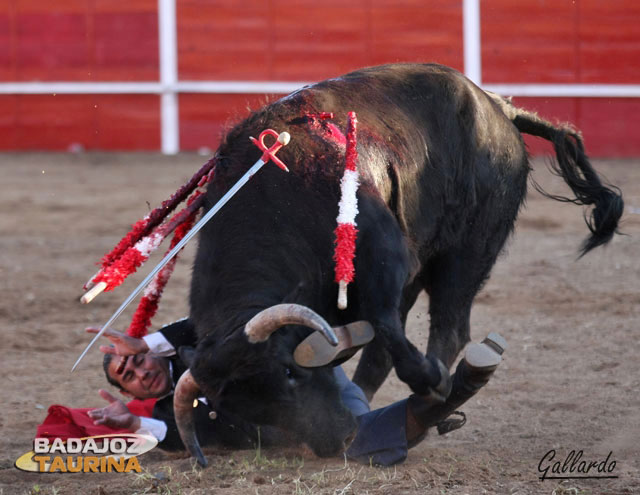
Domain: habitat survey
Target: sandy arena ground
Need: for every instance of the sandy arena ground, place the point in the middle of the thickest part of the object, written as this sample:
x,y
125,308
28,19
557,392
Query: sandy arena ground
x,y
569,380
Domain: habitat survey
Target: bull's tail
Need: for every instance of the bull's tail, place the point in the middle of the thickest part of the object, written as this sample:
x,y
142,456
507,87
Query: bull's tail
x,y
576,170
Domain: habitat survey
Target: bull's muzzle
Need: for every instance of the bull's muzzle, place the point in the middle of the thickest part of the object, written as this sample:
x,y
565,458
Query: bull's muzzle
x,y
258,329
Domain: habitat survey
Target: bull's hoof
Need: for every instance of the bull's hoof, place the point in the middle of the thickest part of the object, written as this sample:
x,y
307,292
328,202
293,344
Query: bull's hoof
x,y
441,391
315,351
428,378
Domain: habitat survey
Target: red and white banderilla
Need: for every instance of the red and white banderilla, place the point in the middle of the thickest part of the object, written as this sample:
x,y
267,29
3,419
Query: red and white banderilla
x,y
269,154
346,232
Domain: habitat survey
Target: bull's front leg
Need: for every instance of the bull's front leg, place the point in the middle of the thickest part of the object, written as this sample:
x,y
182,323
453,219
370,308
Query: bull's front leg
x,y
425,375
376,360
383,271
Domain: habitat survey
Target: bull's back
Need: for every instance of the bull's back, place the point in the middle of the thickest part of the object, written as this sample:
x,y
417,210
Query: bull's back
x,y
431,146
431,143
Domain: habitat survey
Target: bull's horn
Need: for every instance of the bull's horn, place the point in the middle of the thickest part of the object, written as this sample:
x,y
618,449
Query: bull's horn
x,y
267,321
185,394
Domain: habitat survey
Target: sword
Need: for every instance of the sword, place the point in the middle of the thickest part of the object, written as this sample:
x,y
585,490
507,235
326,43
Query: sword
x,y
269,154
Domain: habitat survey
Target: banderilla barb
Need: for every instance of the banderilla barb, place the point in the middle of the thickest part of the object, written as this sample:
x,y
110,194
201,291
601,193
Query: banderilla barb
x,y
134,256
145,226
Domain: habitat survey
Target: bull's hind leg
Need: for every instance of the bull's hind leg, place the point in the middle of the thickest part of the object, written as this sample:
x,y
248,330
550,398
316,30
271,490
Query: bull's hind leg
x,y
473,373
383,271
452,281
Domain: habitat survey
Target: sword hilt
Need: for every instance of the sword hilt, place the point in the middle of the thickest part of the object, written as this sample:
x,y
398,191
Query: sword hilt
x,y
269,154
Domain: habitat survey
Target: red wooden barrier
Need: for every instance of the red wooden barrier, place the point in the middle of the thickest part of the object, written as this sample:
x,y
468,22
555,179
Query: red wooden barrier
x,y
543,41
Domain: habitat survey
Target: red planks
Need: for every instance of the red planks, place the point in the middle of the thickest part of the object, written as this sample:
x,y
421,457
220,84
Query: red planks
x,y
124,40
223,40
296,41
9,132
587,41
610,126
50,40
44,122
63,122
529,41
415,31
303,40
51,46
312,41
125,6
124,45
205,118
78,40
7,44
127,122
609,41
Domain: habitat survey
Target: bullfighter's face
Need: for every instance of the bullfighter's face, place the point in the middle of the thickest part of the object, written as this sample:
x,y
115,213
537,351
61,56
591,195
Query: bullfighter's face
x,y
144,376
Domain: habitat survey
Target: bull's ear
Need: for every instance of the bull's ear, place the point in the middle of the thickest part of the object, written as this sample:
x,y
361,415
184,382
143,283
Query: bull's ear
x,y
187,354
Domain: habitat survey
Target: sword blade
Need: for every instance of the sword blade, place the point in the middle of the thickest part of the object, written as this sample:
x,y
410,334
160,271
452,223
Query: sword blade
x,y
194,230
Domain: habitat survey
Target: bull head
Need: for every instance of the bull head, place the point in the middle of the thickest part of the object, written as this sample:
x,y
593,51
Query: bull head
x,y
259,380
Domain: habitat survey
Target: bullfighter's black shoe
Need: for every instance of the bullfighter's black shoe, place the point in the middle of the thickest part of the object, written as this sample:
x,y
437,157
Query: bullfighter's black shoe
x,y
315,351
472,373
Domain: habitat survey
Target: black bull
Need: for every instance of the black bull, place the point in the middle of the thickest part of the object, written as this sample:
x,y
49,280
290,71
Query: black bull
x,y
443,173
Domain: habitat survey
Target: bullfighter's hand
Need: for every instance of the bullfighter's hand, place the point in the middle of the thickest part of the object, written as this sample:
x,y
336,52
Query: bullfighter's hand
x,y
115,415
123,345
